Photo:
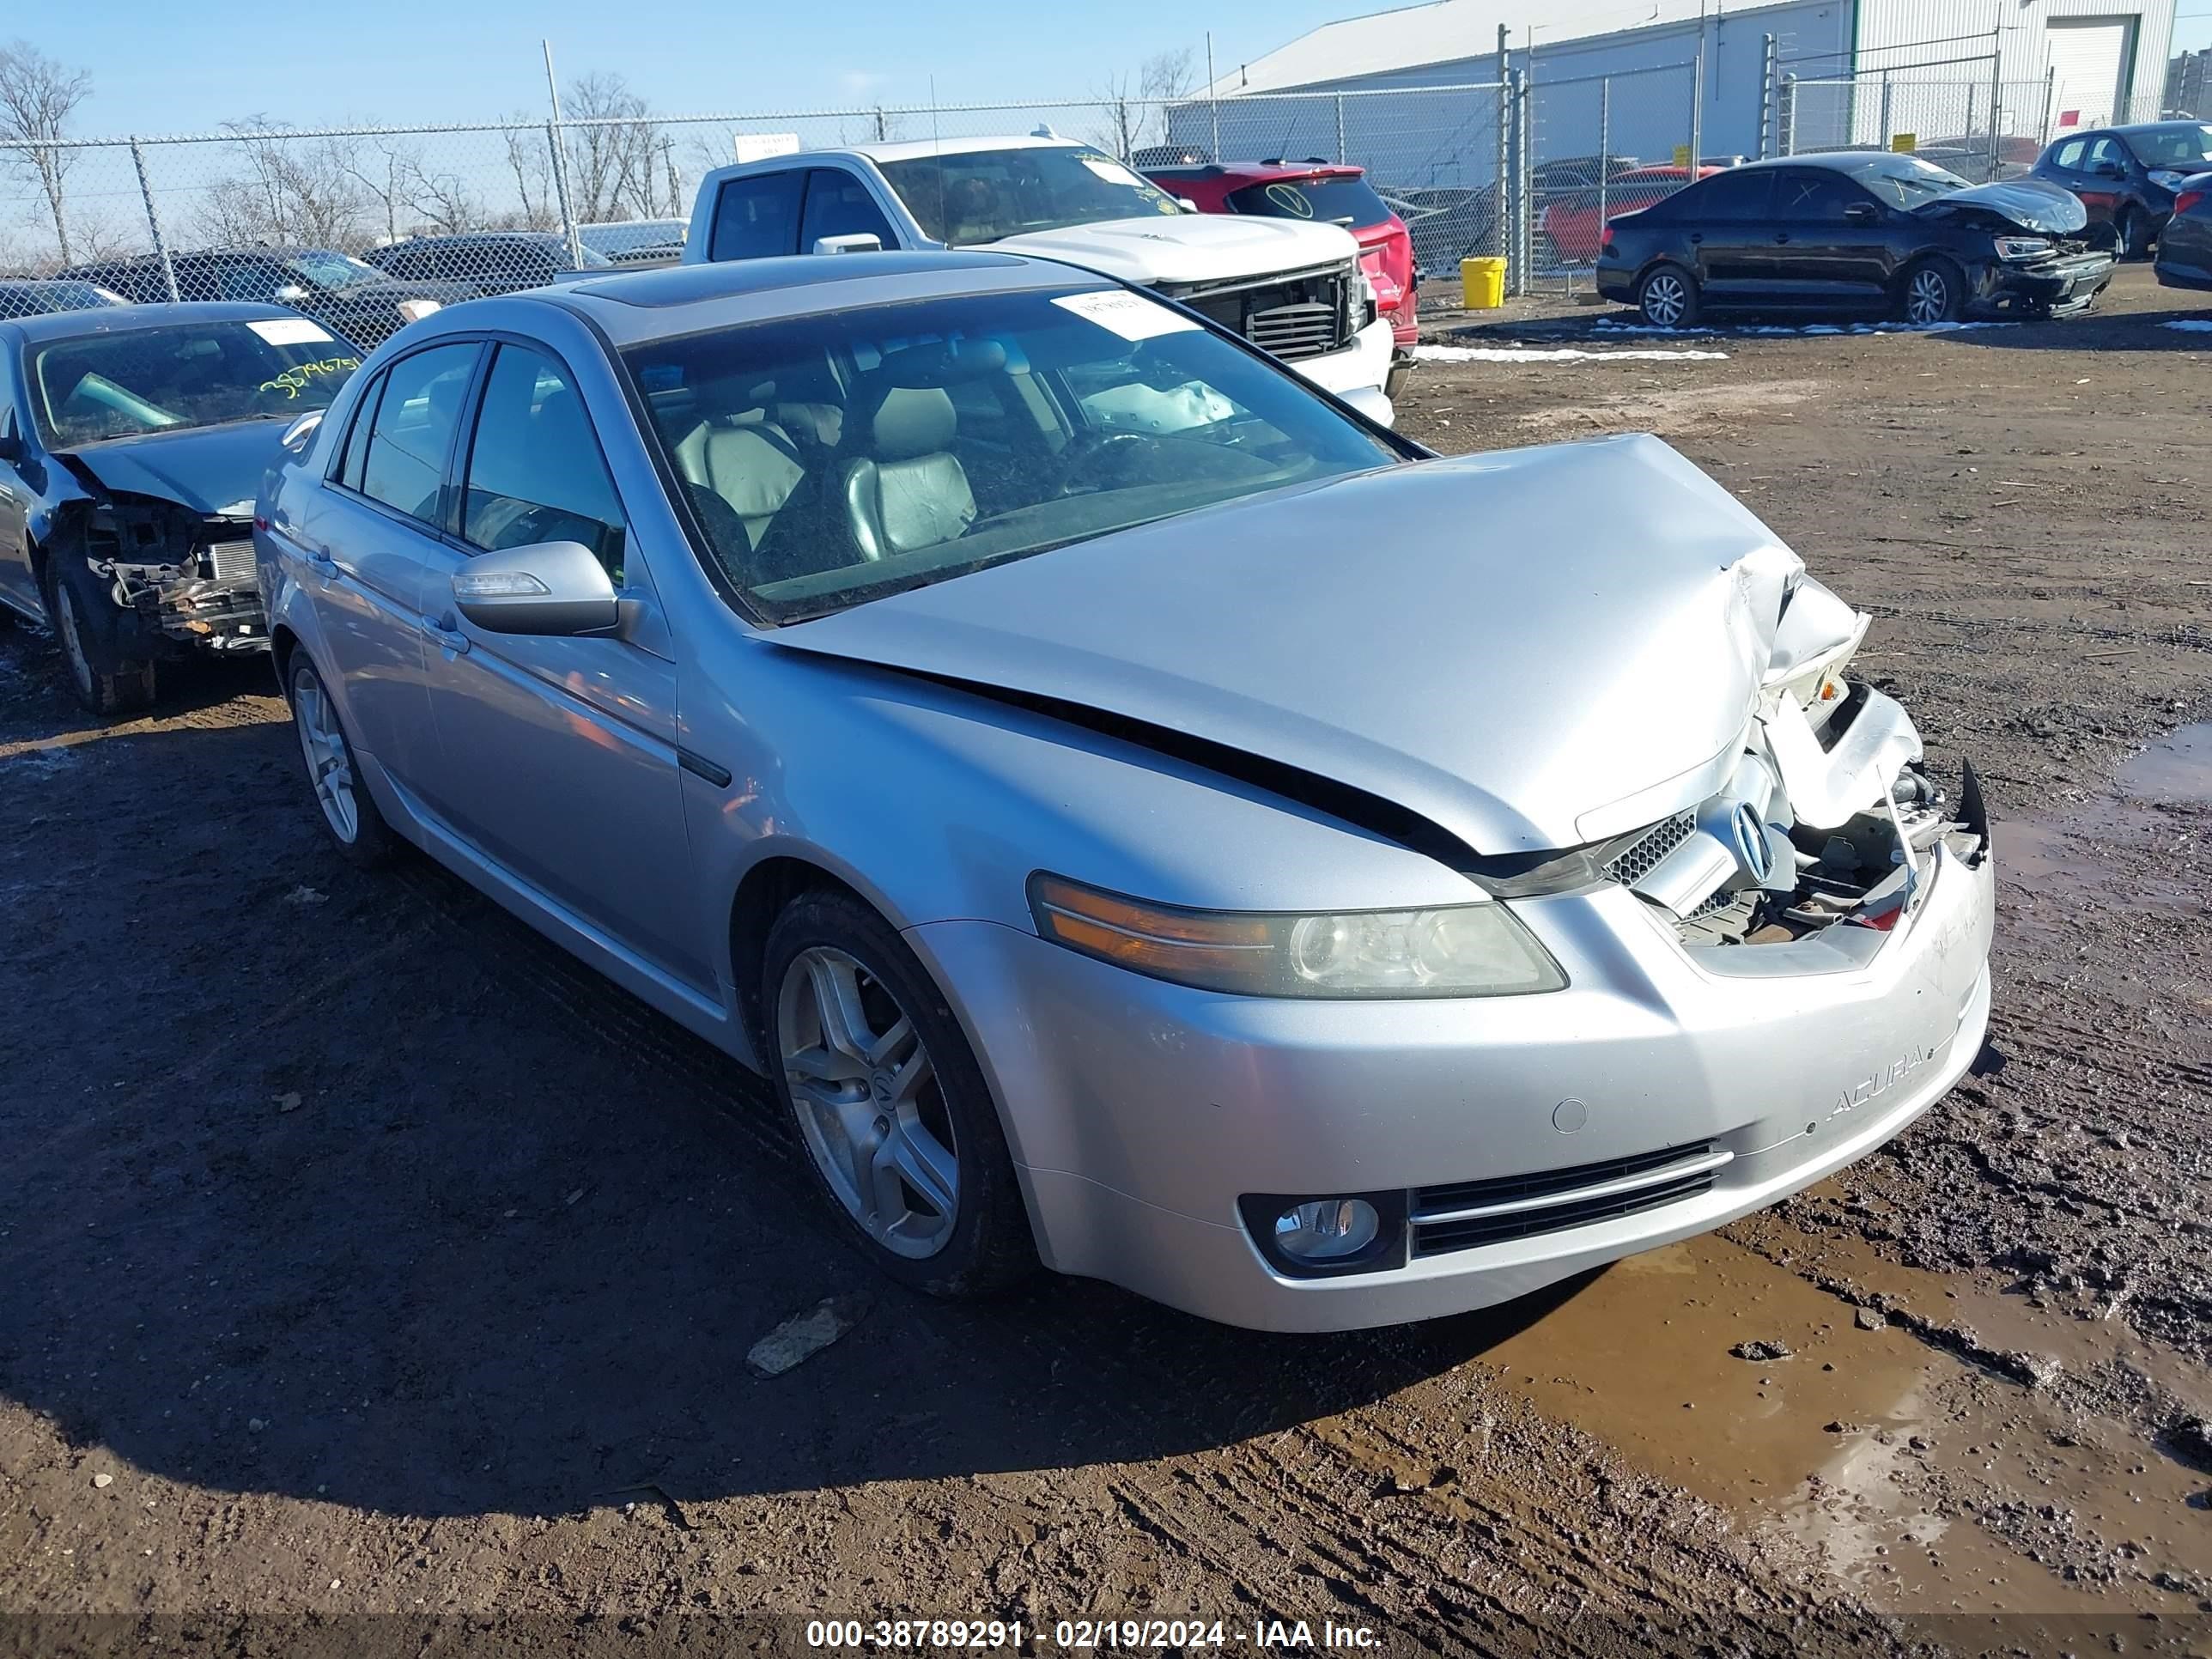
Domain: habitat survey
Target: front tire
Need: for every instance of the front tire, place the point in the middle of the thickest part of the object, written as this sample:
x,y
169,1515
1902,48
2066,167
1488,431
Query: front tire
x,y
356,828
100,649
1668,298
891,1108
1932,292
2131,234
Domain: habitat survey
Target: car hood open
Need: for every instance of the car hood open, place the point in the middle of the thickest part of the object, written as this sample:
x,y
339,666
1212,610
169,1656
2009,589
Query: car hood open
x,y
212,470
2031,203
1528,650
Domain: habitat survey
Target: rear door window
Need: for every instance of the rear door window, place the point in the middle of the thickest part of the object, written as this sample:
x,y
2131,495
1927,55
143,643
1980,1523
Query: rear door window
x,y
2069,155
1349,202
757,217
412,433
1729,198
838,204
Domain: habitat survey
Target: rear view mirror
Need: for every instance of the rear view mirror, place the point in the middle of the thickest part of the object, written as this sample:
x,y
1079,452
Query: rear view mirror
x,y
546,587
858,242
1370,402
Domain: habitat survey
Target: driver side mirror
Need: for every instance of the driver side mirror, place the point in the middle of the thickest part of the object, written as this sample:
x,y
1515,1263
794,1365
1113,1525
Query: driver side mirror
x,y
858,242
11,443
557,588
1861,213
289,293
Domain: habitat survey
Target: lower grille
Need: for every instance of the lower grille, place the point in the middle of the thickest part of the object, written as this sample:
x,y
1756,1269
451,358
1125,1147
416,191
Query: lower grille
x,y
1468,1214
1301,315
233,561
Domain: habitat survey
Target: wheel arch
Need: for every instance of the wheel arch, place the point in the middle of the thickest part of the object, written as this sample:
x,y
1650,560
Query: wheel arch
x,y
762,892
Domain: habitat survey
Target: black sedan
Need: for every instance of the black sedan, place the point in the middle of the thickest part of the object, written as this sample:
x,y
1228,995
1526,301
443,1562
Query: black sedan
x,y
340,292
488,262
2185,248
1855,233
2126,177
132,441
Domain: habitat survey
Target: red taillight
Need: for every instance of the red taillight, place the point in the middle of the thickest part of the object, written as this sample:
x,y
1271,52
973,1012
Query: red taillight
x,y
2187,199
1605,239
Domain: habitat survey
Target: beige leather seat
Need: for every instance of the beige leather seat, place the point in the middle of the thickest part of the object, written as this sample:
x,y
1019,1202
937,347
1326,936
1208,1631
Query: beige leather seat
x,y
911,492
752,464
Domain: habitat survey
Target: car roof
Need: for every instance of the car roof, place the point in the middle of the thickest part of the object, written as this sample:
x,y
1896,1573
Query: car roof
x,y
632,305
1258,172
2136,128
117,320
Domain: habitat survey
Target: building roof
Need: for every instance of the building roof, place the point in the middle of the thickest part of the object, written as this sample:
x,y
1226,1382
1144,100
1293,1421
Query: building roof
x,y
1444,30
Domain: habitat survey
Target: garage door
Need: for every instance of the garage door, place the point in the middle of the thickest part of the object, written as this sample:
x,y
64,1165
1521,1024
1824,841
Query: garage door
x,y
2088,57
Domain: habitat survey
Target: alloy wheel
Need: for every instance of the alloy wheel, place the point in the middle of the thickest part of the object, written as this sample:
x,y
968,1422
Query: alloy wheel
x,y
71,632
1928,299
868,1102
1665,300
330,763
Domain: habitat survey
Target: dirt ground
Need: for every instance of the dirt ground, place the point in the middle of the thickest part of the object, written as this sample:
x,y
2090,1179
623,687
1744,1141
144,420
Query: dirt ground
x,y
372,1274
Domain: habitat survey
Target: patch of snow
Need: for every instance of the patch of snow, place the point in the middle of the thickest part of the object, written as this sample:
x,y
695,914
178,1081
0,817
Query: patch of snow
x,y
1436,353
2189,325
1607,326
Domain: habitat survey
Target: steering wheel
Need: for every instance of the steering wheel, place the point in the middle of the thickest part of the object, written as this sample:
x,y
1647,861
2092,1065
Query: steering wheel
x,y
1100,450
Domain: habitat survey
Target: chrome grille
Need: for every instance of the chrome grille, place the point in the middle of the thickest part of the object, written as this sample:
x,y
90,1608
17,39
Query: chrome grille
x,y
233,561
1294,330
1641,856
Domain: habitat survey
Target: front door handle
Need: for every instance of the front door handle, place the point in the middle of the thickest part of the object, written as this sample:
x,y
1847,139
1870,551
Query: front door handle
x,y
322,564
1781,236
447,638
1697,236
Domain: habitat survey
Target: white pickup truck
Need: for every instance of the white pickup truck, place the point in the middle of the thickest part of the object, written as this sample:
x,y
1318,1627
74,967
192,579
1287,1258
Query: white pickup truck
x,y
1291,288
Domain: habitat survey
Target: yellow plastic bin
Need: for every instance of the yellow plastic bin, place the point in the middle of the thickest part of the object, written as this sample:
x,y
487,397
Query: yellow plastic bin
x,y
1483,282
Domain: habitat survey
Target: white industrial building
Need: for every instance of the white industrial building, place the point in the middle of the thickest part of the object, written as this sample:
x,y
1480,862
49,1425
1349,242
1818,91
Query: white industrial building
x,y
1857,71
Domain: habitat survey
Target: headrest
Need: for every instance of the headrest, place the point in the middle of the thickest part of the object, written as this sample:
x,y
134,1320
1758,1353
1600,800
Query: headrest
x,y
915,421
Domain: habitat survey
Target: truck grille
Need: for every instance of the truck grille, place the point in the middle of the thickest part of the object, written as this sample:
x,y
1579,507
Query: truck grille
x,y
1301,315
233,561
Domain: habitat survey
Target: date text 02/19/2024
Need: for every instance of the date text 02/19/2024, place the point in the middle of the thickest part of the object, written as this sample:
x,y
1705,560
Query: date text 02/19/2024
x,y
1084,1634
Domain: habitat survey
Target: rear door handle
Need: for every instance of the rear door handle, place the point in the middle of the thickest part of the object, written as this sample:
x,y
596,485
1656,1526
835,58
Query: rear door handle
x,y
1781,236
1697,236
322,564
447,638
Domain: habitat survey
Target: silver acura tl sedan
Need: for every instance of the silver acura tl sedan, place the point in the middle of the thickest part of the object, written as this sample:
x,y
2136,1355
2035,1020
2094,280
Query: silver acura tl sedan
x,y
1141,816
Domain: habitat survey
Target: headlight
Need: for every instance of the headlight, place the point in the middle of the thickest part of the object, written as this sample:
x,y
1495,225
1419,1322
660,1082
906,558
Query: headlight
x,y
1457,950
2022,248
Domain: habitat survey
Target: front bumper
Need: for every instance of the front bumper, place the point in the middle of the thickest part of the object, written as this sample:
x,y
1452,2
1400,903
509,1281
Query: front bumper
x,y
1137,1112
2054,287
1365,362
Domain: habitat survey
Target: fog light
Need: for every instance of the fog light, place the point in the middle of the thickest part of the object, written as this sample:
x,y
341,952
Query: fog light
x,y
1326,1229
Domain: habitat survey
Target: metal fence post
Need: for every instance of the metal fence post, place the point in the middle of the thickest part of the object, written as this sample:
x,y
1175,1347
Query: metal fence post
x,y
1887,132
2050,97
1523,179
561,188
1769,61
1996,95
1698,100
1498,182
153,222
1788,115
1604,154
883,127
1341,156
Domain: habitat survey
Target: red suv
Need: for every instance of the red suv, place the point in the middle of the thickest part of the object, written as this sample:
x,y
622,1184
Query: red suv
x,y
1329,193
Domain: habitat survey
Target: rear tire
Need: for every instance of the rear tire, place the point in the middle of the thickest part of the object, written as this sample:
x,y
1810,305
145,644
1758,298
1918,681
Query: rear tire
x,y
1931,291
898,1125
100,651
2131,233
1668,297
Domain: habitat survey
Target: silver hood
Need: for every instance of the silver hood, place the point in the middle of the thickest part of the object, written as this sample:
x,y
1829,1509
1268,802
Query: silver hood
x,y
1531,649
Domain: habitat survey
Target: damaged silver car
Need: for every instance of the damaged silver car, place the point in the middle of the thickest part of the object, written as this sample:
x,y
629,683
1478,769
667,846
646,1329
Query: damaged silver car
x,y
1143,816
132,441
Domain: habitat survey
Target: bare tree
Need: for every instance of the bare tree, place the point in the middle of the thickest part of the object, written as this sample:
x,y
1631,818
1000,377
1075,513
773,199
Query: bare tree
x,y
292,190
36,97
386,176
530,159
616,160
1136,106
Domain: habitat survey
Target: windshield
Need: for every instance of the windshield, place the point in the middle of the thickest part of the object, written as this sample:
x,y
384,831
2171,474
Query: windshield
x,y
334,270
189,375
1903,182
981,195
1335,200
835,458
2186,148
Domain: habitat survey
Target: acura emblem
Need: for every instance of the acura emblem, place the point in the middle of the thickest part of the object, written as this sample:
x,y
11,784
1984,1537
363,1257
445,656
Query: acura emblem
x,y
1751,843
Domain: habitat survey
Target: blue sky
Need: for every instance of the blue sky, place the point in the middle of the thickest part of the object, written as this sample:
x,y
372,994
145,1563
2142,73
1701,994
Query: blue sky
x,y
163,66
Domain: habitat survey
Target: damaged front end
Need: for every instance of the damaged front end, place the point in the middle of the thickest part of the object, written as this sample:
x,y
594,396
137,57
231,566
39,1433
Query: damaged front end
x,y
186,579
1829,819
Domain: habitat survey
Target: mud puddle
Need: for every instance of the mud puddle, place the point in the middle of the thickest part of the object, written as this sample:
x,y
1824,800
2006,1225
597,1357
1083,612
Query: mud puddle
x,y
2176,771
1928,1484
